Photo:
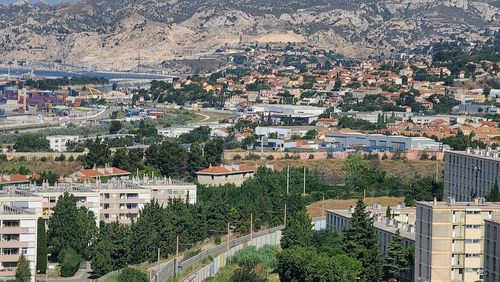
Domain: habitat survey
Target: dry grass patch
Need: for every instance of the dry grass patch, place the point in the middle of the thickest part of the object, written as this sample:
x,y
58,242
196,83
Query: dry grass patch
x,y
316,209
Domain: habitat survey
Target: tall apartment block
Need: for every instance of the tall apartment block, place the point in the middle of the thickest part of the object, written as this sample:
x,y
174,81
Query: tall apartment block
x,y
492,251
449,239
469,174
19,212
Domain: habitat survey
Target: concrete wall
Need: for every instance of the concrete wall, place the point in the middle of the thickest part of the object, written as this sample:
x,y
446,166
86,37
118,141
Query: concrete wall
x,y
38,155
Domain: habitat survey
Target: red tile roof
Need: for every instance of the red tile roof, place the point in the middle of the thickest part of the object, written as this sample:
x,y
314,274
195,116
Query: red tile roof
x,y
229,169
14,178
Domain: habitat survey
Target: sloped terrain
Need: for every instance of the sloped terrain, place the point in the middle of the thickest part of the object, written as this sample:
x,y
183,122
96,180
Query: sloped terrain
x,y
115,33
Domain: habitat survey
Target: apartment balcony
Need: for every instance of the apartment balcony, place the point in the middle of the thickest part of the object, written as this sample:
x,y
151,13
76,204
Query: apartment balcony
x,y
12,244
15,230
9,258
8,272
122,201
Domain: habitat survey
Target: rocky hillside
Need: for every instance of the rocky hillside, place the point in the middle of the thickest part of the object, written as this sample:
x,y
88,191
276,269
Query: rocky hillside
x,y
114,33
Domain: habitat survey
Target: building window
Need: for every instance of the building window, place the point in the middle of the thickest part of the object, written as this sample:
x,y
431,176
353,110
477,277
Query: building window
x,y
24,251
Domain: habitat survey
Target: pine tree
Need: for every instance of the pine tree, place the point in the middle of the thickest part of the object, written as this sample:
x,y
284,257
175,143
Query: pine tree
x,y
298,231
41,256
395,261
23,271
196,160
494,195
360,242
102,262
388,212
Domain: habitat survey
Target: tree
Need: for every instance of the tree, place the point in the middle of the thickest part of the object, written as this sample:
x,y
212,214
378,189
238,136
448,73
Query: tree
x,y
98,155
132,275
298,231
49,176
31,142
196,160
494,195
169,157
152,230
41,250
114,126
23,271
102,262
395,263
70,227
306,264
213,151
388,212
360,242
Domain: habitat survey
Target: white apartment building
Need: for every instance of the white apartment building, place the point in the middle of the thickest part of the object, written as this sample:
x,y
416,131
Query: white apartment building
x,y
117,199
19,212
58,142
449,240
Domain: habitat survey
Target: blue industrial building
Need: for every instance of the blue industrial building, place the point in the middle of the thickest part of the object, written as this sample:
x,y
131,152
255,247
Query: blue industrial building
x,y
379,142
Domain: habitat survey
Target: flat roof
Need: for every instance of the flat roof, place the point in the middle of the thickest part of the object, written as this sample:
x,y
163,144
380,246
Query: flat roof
x,y
378,224
464,205
472,154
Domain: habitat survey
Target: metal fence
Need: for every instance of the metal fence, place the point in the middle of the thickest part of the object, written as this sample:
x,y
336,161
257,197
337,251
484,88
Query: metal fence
x,y
168,270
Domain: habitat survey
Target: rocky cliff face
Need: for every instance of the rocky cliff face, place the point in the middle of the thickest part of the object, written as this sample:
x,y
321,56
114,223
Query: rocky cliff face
x,y
114,33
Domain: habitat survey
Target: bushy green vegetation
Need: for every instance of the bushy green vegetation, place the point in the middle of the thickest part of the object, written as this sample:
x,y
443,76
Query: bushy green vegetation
x,y
70,228
132,275
23,271
363,177
30,142
56,83
70,262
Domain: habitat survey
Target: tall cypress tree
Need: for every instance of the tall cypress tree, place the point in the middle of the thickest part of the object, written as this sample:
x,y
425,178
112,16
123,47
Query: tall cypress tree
x,y
396,263
360,242
41,256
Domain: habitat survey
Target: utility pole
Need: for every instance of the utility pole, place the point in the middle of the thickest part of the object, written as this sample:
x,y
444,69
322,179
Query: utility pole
x,y
437,171
227,241
176,257
284,220
287,179
304,180
323,205
251,227
158,267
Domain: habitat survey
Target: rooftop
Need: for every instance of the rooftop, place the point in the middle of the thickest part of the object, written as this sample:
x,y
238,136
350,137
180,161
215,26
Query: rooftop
x,y
228,169
492,154
461,205
381,223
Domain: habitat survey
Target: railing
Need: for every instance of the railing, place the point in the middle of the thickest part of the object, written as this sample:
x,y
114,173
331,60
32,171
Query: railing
x,y
168,270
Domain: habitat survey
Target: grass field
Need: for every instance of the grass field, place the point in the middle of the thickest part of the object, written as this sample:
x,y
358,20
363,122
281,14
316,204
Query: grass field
x,y
316,209
60,168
